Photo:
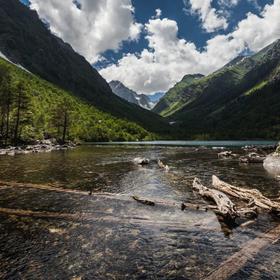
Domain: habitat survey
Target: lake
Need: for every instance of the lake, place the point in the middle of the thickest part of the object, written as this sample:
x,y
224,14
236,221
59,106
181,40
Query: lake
x,y
108,235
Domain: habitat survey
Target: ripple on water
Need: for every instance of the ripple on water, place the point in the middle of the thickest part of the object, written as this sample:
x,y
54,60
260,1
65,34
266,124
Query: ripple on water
x,y
115,237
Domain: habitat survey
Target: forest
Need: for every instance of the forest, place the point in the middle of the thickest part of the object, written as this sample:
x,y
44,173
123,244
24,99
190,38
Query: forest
x,y
32,109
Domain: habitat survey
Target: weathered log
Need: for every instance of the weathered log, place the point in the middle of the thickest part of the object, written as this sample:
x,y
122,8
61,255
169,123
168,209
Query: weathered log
x,y
225,206
144,201
238,260
141,161
105,217
162,165
252,196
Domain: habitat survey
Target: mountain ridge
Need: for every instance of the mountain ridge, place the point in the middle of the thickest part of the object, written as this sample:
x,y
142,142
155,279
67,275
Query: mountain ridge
x,y
129,95
25,40
219,105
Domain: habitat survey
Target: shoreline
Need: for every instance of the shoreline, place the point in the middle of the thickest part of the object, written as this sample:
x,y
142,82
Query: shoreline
x,y
44,146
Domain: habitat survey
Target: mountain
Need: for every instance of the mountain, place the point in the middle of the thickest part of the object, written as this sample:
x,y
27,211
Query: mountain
x,y
235,61
26,40
129,95
241,100
175,96
155,98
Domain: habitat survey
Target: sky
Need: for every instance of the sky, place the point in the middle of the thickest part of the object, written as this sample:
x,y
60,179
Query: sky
x,y
149,45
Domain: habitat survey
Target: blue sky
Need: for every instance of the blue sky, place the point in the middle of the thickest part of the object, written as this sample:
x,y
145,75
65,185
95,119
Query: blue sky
x,y
125,39
189,25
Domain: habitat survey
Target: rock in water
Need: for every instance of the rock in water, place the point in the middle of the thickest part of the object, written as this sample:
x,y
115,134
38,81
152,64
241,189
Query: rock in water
x,y
227,155
272,164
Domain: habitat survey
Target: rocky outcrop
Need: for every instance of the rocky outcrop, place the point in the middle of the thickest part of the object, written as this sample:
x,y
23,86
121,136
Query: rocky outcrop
x,y
131,96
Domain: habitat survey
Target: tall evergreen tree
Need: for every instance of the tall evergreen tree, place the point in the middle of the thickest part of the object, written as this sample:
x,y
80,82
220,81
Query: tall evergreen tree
x,y
62,118
22,114
6,100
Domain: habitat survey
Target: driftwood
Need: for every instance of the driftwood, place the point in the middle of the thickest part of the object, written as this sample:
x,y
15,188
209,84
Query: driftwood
x,y
144,201
251,196
225,206
141,161
162,165
238,260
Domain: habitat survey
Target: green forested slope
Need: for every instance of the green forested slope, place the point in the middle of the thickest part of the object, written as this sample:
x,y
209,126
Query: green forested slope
x,y
241,100
174,98
45,105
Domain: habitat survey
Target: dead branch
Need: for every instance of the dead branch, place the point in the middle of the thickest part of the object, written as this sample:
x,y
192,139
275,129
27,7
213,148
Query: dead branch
x,y
251,196
225,206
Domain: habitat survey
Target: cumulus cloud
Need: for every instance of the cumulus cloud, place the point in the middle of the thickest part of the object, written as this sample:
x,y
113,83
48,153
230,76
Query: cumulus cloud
x,y
158,13
211,19
90,26
169,58
228,3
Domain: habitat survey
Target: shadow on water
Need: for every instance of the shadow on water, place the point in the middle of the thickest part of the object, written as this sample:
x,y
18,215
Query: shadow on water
x,y
113,237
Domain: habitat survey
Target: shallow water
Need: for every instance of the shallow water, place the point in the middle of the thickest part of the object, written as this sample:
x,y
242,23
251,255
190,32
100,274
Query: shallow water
x,y
114,237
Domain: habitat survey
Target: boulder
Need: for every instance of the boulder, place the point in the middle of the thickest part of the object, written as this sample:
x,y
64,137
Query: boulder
x,y
272,164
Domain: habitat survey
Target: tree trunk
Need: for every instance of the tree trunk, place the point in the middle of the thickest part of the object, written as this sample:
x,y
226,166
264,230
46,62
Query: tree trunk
x,y
7,123
17,120
65,124
2,123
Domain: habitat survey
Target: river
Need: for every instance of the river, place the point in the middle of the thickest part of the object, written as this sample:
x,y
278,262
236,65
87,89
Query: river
x,y
108,235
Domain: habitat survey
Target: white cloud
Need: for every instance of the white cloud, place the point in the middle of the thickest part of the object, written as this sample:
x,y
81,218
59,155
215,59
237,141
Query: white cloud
x,y
98,26
169,58
228,3
211,19
158,13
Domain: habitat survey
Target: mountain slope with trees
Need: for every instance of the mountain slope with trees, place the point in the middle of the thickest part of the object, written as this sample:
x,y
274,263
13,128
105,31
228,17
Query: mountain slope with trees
x,y
174,98
33,109
241,100
26,40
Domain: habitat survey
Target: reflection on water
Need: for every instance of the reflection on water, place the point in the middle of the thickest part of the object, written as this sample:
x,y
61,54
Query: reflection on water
x,y
113,237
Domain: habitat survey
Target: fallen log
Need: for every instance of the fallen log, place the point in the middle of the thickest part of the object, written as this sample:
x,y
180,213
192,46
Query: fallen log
x,y
238,260
251,196
163,166
144,201
141,161
81,217
225,206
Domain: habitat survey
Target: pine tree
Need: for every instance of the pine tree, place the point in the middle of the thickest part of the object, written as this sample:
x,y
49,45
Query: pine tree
x,y
62,118
6,100
22,110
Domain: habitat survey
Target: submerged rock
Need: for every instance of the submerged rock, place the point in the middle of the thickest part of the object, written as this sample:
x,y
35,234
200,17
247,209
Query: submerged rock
x,y
252,158
227,155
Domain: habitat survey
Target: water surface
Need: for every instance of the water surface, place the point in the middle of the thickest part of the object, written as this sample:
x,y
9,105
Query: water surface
x,y
114,237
